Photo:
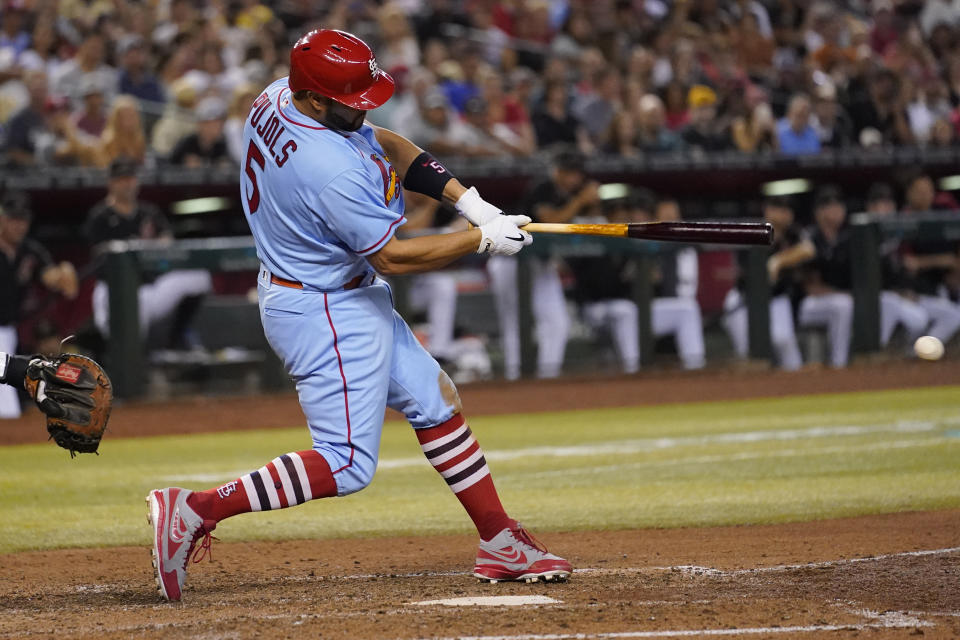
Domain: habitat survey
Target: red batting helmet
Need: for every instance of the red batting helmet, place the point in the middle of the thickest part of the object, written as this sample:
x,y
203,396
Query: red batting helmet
x,y
340,66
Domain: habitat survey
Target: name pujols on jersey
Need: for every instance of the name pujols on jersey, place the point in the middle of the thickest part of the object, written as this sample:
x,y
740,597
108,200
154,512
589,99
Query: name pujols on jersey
x,y
270,130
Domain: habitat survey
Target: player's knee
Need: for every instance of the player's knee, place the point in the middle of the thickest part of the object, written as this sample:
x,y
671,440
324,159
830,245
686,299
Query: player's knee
x,y
354,478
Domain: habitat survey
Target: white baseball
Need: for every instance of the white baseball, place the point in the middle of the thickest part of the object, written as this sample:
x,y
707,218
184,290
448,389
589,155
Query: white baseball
x,y
928,348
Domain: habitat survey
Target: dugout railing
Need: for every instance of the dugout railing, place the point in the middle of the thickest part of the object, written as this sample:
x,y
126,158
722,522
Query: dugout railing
x,y
126,263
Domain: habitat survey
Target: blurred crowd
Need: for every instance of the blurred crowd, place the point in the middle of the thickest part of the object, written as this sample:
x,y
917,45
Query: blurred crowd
x,y
83,82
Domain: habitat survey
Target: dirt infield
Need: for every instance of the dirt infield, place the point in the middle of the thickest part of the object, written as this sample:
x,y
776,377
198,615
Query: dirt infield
x,y
231,413
892,576
889,576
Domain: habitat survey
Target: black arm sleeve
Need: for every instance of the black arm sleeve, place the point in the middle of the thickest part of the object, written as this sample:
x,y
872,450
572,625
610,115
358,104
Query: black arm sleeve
x,y
16,370
427,176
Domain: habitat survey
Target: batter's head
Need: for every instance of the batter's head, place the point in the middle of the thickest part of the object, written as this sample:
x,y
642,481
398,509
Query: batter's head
x,y
340,66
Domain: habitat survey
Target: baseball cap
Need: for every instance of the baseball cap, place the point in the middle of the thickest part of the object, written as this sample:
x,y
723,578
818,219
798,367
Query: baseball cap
x,y
211,109
569,159
16,204
475,105
434,100
700,95
124,167
827,194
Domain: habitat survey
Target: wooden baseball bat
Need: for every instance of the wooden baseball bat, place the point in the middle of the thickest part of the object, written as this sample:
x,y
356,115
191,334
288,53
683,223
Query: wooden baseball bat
x,y
756,233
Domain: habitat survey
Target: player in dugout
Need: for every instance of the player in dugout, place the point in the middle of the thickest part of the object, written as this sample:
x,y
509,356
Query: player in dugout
x,y
323,202
121,215
23,262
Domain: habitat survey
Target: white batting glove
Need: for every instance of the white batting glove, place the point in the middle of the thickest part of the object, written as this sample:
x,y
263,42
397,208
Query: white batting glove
x,y
502,237
475,209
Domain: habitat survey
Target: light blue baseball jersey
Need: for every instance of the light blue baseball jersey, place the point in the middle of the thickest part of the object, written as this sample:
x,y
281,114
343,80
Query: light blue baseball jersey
x,y
317,200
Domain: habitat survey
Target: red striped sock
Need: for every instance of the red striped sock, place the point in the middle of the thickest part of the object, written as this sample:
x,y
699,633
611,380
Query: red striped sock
x,y
455,453
286,481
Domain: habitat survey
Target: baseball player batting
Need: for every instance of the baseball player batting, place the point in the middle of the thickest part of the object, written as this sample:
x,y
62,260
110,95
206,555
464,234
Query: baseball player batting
x,y
322,194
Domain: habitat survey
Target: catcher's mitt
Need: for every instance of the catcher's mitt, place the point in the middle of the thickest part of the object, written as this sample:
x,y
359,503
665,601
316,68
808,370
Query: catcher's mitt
x,y
76,395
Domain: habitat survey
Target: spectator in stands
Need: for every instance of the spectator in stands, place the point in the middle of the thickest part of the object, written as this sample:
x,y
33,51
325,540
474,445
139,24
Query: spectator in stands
x,y
704,131
91,118
13,33
676,112
462,80
206,147
439,131
240,103
790,248
505,109
653,136
675,310
795,132
136,78
756,131
826,278
23,263
398,46
88,65
595,109
27,130
883,108
122,216
554,124
175,124
481,132
833,126
123,135
567,193
621,139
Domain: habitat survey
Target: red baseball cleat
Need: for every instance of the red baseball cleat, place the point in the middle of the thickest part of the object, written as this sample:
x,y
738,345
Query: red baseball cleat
x,y
176,529
514,554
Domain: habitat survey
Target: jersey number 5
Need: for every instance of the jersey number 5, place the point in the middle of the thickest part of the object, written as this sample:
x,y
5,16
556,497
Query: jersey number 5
x,y
254,155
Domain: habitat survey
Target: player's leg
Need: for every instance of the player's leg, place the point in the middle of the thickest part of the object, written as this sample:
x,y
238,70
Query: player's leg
x,y
503,283
783,335
736,322
442,312
337,348
680,317
551,318
428,398
170,289
835,311
894,310
624,322
945,315
9,398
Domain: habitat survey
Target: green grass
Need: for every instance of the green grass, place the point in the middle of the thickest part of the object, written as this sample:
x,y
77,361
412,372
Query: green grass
x,y
761,461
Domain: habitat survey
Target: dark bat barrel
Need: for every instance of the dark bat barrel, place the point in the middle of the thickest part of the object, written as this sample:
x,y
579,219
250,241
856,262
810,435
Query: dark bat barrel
x,y
749,233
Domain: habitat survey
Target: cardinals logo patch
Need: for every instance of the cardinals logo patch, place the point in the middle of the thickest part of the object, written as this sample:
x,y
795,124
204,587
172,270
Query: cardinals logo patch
x,y
391,182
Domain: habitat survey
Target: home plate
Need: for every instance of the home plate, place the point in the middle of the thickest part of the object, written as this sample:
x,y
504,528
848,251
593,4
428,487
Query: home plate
x,y
490,601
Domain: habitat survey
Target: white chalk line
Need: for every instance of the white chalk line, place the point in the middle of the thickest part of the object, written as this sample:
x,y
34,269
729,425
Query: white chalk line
x,y
886,620
622,570
696,570
735,457
641,445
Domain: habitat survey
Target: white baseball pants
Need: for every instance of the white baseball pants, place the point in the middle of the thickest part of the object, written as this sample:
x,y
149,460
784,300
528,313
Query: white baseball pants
x,y
783,335
436,292
944,314
835,312
156,300
9,398
552,322
894,310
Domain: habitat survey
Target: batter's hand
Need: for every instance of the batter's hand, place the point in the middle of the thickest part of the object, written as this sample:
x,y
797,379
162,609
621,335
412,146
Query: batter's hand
x,y
475,209
502,235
